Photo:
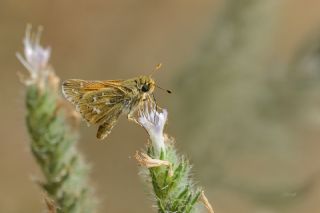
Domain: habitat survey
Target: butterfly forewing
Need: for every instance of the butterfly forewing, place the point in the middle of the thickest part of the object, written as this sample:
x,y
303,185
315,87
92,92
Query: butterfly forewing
x,y
98,102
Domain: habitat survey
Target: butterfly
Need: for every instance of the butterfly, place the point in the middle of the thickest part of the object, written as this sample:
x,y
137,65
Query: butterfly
x,y
102,102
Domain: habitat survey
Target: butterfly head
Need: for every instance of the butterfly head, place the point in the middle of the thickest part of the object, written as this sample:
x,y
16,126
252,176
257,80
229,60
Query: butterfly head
x,y
146,84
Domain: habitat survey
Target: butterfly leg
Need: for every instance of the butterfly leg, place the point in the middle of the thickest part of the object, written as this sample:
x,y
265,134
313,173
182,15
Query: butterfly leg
x,y
131,116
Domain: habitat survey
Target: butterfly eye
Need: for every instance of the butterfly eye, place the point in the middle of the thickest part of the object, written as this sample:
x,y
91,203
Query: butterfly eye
x,y
145,88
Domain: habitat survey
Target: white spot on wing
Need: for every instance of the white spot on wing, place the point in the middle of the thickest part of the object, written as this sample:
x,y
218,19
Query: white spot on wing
x,y
96,110
75,91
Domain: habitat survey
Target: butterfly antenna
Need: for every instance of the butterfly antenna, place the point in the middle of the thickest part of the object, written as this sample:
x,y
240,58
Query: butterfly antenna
x,y
168,91
155,105
157,67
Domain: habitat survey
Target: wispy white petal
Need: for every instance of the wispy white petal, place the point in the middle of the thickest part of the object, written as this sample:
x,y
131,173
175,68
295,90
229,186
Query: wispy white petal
x,y
36,57
153,120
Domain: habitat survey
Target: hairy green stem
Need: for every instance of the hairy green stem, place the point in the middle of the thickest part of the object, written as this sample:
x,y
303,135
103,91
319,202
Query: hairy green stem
x,y
53,143
173,189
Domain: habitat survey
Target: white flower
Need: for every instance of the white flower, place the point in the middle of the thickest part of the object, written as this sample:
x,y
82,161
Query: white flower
x,y
35,57
153,120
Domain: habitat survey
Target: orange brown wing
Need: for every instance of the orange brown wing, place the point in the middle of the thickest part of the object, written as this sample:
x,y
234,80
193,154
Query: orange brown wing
x,y
95,100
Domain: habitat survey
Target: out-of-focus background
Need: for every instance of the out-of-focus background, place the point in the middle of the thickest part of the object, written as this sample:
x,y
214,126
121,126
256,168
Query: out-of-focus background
x,y
245,107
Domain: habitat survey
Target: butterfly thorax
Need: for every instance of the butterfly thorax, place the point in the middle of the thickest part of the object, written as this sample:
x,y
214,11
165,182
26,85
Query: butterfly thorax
x,y
142,84
138,89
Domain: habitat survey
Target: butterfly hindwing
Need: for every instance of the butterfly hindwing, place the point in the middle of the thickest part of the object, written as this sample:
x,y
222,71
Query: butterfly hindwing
x,y
109,122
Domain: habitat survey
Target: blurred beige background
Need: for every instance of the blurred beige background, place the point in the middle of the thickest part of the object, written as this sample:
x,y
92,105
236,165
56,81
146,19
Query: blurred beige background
x,y
122,39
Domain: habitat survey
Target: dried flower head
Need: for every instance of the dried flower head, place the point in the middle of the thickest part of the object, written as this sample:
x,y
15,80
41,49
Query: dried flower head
x,y
145,160
206,202
50,203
